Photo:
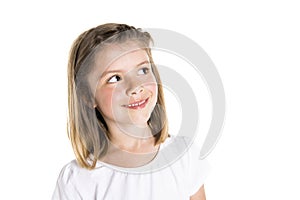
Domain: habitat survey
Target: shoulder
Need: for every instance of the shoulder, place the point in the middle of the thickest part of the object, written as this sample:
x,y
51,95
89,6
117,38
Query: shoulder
x,y
181,146
183,154
73,172
73,182
68,174
187,149
197,169
68,170
64,181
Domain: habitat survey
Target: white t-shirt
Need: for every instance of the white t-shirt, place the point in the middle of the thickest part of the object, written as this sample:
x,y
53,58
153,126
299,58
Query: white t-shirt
x,y
175,173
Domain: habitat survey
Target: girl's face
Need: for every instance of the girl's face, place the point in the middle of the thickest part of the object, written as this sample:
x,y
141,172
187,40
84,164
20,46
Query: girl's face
x,y
126,92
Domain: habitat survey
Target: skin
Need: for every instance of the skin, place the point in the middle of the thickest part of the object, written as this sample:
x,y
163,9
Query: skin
x,y
123,74
199,195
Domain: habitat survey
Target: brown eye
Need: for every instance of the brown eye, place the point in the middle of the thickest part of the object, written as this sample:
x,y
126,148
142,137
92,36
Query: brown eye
x,y
114,79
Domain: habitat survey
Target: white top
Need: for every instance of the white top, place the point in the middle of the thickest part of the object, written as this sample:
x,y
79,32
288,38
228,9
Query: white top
x,y
165,177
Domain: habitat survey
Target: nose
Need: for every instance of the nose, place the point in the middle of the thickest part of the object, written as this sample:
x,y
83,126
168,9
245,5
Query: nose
x,y
134,89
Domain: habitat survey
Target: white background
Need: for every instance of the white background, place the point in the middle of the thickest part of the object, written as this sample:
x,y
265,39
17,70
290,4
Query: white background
x,y
255,46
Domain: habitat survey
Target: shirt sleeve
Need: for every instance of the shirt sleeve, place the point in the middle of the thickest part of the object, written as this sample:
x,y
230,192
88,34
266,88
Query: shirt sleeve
x,y
65,190
198,169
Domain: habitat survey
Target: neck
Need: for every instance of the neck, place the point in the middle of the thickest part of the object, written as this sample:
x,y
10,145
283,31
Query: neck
x,y
131,138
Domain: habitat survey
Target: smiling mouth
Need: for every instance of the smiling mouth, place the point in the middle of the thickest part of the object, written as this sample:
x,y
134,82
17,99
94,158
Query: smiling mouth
x,y
138,104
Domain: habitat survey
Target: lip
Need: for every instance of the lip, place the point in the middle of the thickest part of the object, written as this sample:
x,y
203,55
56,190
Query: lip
x,y
137,104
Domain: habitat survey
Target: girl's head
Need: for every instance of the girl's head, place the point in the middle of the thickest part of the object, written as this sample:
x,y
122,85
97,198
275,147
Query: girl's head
x,y
112,80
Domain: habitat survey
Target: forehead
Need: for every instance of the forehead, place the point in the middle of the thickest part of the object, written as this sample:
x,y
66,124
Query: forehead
x,y
116,56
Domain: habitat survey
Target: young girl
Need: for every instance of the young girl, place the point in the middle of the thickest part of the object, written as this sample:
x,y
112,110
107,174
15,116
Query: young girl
x,y
118,125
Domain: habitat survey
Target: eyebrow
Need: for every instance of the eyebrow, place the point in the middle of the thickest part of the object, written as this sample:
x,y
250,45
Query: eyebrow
x,y
117,71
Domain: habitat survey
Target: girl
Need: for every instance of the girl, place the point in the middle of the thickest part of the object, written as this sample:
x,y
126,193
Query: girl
x,y
118,126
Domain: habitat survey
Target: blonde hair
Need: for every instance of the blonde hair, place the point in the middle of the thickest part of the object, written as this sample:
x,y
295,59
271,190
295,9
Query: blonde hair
x,y
87,129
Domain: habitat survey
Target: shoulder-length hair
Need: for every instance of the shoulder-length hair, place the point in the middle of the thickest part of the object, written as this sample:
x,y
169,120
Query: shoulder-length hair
x,y
87,129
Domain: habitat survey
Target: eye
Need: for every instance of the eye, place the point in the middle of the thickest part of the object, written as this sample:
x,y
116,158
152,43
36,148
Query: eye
x,y
114,79
143,70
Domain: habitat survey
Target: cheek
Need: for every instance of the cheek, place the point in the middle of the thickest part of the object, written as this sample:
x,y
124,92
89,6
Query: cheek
x,y
108,98
153,89
151,85
104,99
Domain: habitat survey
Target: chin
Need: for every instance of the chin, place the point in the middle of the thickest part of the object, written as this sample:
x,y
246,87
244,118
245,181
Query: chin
x,y
140,121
